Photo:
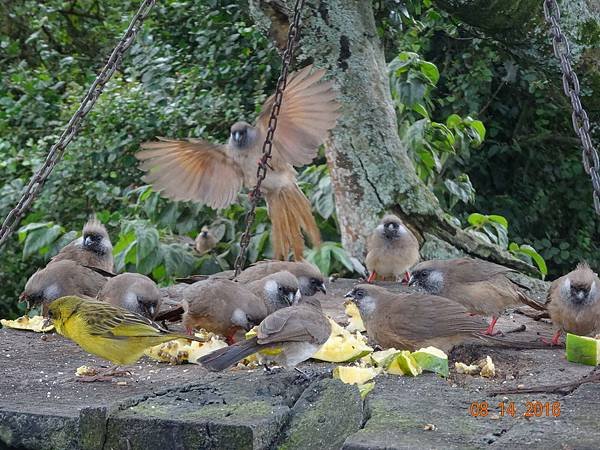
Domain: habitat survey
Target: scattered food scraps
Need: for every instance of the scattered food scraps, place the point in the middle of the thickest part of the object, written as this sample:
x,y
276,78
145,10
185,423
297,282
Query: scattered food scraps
x,y
35,323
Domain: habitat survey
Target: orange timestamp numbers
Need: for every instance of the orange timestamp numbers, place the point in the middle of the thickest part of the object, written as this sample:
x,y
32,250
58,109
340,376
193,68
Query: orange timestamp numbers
x,y
532,409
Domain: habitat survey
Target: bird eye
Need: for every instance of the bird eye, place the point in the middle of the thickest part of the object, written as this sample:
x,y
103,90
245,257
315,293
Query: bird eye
x,y
314,282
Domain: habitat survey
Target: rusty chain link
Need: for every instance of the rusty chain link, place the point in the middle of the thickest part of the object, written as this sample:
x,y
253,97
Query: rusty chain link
x,y
263,165
581,122
56,151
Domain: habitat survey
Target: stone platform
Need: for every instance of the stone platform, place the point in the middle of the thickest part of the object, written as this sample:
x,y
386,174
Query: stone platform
x,y
185,407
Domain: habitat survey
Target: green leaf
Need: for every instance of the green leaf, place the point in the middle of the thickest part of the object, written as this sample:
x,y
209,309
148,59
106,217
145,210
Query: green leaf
x,y
342,256
147,242
430,71
420,109
453,120
476,219
478,126
22,232
533,254
178,260
40,238
498,219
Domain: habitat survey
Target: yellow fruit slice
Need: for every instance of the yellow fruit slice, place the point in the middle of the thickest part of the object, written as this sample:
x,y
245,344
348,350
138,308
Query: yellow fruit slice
x,y
342,346
472,369
355,375
172,352
355,322
432,359
198,349
364,389
488,369
382,358
403,363
35,323
583,350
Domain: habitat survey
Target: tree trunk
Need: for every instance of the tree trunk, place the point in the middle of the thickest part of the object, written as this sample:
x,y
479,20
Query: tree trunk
x,y
370,169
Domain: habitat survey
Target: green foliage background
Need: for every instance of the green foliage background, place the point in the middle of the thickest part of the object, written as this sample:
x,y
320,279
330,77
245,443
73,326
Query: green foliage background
x,y
487,133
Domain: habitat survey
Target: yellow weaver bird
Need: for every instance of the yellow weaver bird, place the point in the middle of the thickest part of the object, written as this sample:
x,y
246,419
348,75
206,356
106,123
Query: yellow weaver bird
x,y
108,331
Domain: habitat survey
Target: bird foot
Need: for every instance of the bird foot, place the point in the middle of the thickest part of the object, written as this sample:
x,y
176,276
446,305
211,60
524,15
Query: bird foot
x,y
372,277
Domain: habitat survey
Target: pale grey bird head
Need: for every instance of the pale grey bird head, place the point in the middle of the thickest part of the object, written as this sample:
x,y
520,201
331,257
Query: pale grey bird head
x,y
243,135
95,238
365,298
281,290
429,279
391,227
579,293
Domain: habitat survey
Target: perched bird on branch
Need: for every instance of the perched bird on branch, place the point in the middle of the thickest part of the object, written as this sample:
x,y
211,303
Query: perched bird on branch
x,y
392,250
480,286
59,279
229,308
213,174
412,321
292,335
205,241
574,303
108,331
134,292
92,249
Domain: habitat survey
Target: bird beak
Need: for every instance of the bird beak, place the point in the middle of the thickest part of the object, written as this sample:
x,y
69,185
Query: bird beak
x,y
291,297
297,296
151,311
349,295
411,280
237,136
47,322
88,241
22,298
322,288
204,234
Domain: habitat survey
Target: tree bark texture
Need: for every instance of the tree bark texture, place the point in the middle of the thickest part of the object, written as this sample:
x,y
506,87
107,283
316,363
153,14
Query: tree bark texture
x,y
370,168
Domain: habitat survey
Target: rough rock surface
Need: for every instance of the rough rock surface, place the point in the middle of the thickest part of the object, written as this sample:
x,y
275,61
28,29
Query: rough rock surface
x,y
185,407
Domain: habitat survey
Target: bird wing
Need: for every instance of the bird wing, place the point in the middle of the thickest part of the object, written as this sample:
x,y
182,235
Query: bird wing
x,y
115,323
469,270
437,317
191,170
294,323
308,112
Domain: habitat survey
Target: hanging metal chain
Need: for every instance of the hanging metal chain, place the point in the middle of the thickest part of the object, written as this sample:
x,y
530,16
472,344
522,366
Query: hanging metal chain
x,y
581,122
54,155
263,165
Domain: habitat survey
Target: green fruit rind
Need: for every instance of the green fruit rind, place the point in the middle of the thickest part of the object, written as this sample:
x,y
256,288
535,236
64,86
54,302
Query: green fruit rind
x,y
365,388
583,350
404,363
432,359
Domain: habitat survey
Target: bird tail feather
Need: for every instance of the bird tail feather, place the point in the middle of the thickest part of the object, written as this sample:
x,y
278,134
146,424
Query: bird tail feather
x,y
291,213
223,358
531,302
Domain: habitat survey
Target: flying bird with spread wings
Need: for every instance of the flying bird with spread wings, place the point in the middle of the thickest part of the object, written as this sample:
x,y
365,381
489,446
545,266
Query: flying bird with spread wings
x,y
213,174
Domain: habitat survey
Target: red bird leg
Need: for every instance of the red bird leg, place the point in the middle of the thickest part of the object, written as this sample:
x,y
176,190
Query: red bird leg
x,y
372,277
490,330
189,331
406,278
554,340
